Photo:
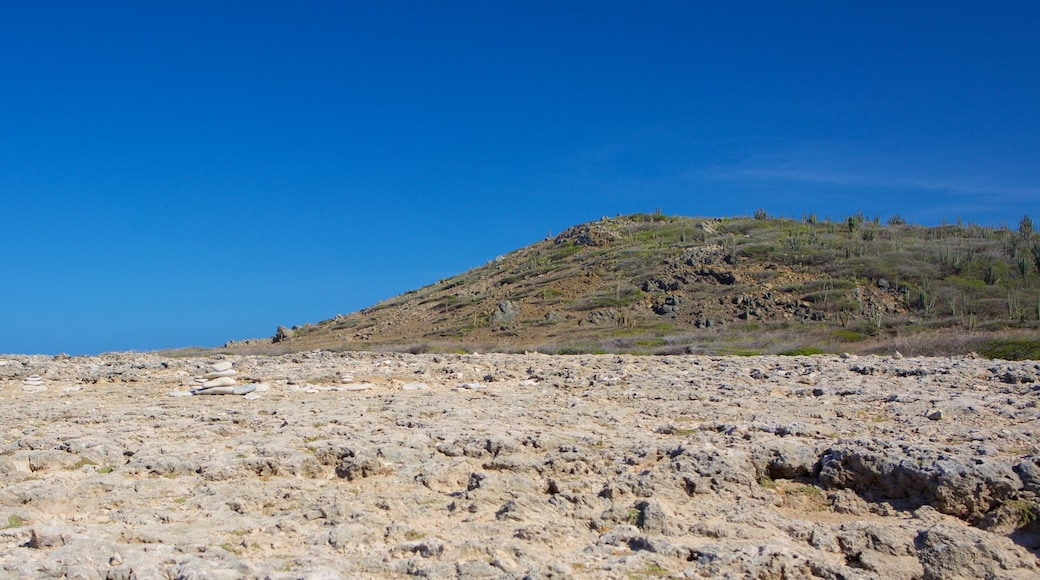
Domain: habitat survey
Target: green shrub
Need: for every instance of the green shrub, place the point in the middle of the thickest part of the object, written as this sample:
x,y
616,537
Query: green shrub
x,y
1011,349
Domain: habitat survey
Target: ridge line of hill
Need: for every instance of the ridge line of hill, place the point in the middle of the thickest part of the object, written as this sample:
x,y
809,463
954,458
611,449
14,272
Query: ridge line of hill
x,y
657,284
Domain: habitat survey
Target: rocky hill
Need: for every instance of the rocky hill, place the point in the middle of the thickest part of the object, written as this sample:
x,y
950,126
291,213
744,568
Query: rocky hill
x,y
746,285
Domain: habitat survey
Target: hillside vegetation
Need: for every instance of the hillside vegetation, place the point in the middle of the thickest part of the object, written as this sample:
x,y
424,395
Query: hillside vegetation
x,y
660,284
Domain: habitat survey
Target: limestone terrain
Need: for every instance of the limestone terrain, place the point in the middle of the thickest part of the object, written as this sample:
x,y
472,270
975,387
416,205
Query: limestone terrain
x,y
385,465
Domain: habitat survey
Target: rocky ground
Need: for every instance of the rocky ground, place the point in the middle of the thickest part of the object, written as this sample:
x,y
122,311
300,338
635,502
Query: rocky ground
x,y
354,465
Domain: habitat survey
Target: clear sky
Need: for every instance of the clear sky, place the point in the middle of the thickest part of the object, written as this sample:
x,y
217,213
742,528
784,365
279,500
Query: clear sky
x,y
184,173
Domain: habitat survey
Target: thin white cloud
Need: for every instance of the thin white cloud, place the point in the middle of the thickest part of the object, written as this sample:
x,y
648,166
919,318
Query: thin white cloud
x,y
873,170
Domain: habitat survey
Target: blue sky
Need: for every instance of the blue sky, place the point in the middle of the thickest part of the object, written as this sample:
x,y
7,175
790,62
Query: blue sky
x,y
179,174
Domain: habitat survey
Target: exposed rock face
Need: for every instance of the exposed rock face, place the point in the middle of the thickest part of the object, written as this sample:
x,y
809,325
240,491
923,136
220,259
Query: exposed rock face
x,y
283,334
504,313
513,466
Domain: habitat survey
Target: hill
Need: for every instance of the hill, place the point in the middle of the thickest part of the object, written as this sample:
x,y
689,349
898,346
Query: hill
x,y
659,284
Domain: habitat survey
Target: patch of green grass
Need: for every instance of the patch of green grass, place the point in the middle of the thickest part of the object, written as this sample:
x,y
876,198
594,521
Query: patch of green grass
x,y
633,516
808,490
738,351
1011,349
15,521
564,251
803,351
579,350
83,462
663,328
651,342
1024,510
846,335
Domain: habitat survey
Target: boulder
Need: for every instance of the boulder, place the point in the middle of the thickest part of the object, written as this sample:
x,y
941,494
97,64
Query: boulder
x,y
283,334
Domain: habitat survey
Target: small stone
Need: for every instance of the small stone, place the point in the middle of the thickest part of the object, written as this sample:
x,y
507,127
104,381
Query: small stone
x,y
244,389
898,355
49,537
221,382
415,387
218,374
220,366
935,414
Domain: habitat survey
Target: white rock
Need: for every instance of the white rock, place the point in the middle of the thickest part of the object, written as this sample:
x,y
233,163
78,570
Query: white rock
x,y
415,387
358,387
469,386
179,394
221,382
218,374
251,396
244,389
220,366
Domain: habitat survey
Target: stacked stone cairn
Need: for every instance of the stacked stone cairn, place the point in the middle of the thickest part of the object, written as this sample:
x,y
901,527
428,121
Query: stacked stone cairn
x,y
347,381
220,380
33,384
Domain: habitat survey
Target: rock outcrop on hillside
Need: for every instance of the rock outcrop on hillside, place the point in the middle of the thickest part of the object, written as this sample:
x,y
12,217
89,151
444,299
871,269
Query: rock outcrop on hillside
x,y
353,465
